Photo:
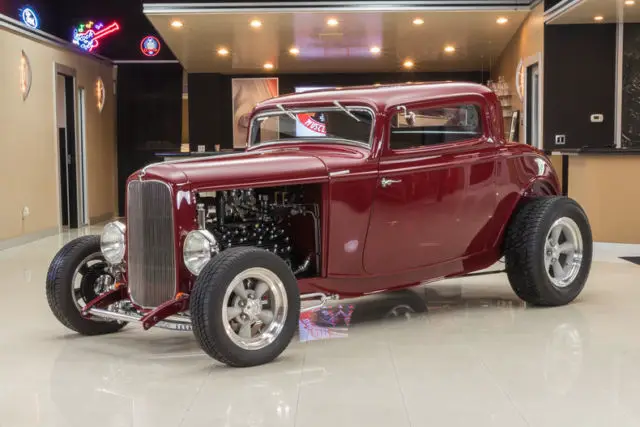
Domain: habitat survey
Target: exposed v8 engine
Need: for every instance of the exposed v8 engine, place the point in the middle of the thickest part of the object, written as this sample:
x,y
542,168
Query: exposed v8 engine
x,y
267,218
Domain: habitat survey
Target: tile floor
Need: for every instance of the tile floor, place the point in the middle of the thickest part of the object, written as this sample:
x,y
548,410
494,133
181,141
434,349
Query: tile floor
x,y
463,352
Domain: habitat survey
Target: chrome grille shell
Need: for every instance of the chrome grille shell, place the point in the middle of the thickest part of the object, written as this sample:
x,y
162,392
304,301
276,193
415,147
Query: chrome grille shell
x,y
151,258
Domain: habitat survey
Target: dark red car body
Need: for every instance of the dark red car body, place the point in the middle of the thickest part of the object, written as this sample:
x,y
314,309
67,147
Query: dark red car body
x,y
446,217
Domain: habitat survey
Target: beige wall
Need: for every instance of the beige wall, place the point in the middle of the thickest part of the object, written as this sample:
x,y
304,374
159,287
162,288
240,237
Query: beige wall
x,y
605,187
527,42
28,143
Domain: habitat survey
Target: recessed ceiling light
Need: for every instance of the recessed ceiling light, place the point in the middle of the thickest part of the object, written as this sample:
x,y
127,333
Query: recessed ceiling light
x,y
256,23
375,49
268,66
294,51
177,24
223,51
630,2
449,49
332,22
418,21
598,18
502,20
408,64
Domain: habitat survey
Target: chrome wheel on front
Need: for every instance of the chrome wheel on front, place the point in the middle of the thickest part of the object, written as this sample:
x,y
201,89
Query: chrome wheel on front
x,y
563,251
254,308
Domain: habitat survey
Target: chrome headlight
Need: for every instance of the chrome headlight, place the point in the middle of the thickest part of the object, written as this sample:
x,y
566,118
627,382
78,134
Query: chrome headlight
x,y
199,247
112,242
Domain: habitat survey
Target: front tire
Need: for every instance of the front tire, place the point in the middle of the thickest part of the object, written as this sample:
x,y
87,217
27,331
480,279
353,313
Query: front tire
x,y
245,307
548,251
76,276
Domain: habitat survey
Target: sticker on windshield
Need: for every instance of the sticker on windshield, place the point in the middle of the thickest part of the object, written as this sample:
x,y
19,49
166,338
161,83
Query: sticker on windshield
x,y
311,124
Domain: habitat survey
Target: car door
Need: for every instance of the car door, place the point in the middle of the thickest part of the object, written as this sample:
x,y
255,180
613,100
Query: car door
x,y
436,189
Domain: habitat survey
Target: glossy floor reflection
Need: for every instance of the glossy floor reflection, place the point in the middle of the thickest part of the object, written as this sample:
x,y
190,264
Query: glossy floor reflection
x,y
455,353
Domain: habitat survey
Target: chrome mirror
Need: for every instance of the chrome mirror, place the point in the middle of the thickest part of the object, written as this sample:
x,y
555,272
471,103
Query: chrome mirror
x,y
409,116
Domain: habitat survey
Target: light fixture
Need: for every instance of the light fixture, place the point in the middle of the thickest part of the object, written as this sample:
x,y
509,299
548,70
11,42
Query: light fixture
x,y
294,51
101,94
449,48
502,20
375,50
598,18
418,21
630,2
25,75
256,23
332,22
223,51
268,66
408,64
177,24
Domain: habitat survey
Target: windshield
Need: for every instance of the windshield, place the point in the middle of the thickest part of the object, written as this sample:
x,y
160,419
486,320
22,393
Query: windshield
x,y
344,124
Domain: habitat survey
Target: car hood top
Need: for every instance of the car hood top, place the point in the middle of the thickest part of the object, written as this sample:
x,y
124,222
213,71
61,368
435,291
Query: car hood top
x,y
245,169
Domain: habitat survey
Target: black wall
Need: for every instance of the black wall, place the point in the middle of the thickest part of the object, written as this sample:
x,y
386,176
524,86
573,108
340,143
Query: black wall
x,y
149,116
579,80
210,106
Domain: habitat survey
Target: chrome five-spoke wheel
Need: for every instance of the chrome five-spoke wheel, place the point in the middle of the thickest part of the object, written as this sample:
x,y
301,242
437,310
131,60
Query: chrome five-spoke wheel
x,y
255,308
563,252
548,250
245,306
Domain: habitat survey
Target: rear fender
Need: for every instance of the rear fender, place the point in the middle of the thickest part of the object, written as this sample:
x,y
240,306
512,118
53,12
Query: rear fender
x,y
540,186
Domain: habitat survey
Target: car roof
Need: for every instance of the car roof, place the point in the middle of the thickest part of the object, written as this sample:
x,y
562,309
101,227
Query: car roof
x,y
379,97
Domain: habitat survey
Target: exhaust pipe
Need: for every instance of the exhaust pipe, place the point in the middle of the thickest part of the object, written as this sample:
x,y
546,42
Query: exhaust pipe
x,y
174,323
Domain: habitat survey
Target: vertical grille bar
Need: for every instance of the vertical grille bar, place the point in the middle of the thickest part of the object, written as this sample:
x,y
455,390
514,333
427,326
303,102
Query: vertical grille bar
x,y
150,246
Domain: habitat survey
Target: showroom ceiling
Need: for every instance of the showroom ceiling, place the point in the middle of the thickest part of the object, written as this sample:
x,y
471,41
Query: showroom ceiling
x,y
376,38
596,11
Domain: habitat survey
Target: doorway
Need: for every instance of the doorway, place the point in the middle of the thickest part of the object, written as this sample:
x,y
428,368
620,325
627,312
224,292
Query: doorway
x,y
532,106
70,111
82,159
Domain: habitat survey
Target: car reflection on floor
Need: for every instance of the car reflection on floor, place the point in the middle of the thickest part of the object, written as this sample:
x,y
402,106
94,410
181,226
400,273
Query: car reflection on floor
x,y
119,387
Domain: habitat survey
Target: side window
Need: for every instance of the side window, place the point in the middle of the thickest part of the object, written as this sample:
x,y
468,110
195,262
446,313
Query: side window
x,y
434,126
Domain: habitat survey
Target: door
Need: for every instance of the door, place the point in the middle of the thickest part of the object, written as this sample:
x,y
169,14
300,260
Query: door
x,y
436,190
66,124
533,105
82,159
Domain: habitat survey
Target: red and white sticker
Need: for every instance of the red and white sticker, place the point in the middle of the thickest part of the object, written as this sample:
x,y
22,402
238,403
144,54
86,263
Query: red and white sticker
x,y
310,123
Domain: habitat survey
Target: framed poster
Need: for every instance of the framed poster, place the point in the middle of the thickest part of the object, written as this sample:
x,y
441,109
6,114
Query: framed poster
x,y
246,93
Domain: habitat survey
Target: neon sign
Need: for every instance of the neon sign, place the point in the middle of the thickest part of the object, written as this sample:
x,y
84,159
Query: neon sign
x,y
87,36
150,46
30,18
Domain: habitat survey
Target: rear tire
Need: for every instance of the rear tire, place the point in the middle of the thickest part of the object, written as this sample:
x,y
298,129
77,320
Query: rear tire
x,y
245,307
548,251
65,272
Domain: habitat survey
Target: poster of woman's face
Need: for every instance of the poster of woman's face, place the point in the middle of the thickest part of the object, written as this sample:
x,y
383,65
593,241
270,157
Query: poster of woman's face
x,y
246,94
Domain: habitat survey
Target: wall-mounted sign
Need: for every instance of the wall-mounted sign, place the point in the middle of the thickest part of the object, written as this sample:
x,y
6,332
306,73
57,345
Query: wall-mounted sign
x,y
25,76
29,17
150,46
87,36
100,93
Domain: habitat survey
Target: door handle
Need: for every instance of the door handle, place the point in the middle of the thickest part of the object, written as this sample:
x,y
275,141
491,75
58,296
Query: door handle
x,y
385,182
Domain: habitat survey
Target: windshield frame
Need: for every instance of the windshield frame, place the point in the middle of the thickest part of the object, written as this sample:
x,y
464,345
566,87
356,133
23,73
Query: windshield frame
x,y
278,112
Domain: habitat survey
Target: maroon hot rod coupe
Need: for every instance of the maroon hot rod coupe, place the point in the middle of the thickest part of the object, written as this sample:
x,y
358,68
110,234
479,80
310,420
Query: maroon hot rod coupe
x,y
341,192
